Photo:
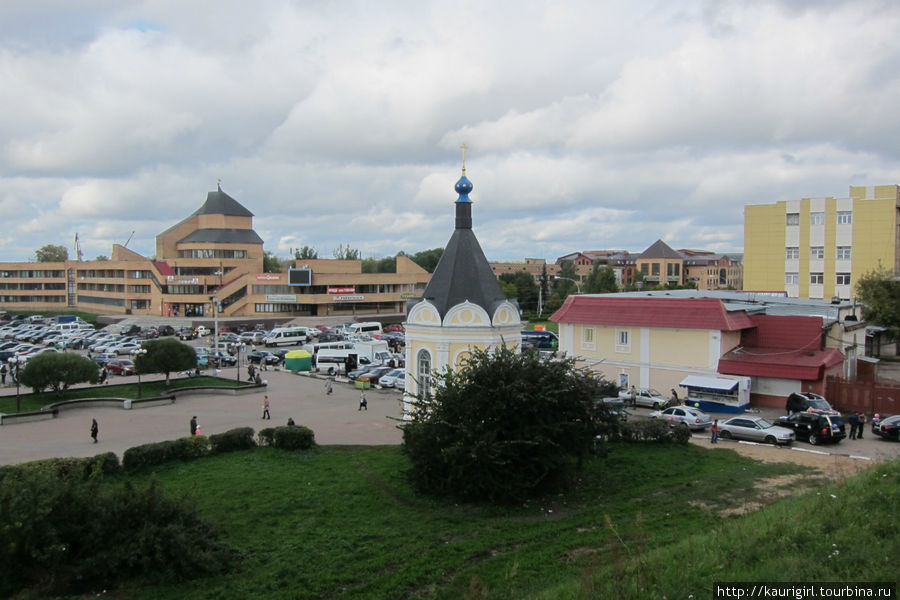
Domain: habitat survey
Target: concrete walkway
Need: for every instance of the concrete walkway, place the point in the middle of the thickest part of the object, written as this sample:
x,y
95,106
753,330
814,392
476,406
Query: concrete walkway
x,y
334,419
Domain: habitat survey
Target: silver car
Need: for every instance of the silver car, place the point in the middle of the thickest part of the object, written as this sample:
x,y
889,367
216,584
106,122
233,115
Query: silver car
x,y
646,397
683,415
755,429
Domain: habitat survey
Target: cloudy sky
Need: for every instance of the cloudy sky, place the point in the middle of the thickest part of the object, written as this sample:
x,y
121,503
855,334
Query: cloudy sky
x,y
589,125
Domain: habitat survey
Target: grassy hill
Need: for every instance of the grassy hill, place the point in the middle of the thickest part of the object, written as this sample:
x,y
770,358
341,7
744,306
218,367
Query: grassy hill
x,y
646,522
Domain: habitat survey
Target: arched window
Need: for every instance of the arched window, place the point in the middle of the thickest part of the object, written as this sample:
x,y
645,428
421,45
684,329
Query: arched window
x,y
423,374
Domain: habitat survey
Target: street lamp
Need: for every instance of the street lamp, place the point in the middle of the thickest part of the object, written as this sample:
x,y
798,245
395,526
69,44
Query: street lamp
x,y
237,367
17,362
137,369
570,279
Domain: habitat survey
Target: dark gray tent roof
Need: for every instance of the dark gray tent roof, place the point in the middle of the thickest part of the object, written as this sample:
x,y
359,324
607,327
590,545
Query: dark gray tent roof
x,y
224,236
220,203
660,249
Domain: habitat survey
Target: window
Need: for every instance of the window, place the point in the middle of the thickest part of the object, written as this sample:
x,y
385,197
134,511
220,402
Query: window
x,y
793,219
791,279
843,279
844,217
843,252
816,218
588,335
655,269
792,252
816,278
817,253
424,372
623,340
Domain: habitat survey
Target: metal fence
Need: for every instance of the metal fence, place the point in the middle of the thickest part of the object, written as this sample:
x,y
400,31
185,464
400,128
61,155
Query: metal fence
x,y
865,396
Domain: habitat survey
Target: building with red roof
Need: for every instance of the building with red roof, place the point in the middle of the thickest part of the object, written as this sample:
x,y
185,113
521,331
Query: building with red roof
x,y
658,342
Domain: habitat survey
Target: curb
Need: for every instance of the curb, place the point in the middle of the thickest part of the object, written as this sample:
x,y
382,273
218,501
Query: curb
x,y
810,451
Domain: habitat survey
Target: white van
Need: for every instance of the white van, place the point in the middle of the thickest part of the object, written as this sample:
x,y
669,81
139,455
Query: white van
x,y
65,327
285,336
314,347
331,360
370,328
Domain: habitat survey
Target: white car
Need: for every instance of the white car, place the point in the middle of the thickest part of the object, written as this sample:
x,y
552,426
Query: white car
x,y
646,397
690,417
755,429
390,380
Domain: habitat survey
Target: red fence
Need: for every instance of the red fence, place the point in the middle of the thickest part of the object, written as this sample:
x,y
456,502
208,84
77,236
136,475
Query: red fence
x,y
863,396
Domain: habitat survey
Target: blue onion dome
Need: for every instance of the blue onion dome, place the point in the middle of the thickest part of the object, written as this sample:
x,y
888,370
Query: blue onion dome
x,y
463,187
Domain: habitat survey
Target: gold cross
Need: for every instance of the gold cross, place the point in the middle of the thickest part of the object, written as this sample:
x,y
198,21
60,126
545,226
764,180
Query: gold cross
x,y
463,146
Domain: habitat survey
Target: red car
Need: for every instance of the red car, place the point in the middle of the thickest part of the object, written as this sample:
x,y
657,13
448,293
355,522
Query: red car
x,y
393,327
120,367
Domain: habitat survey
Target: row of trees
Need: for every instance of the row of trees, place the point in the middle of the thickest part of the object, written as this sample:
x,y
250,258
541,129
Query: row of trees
x,y
60,371
427,259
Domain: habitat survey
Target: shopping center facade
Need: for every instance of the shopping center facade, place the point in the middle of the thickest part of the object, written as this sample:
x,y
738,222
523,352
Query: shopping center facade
x,y
213,255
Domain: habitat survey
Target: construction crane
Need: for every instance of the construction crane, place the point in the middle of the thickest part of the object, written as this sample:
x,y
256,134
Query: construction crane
x,y
78,248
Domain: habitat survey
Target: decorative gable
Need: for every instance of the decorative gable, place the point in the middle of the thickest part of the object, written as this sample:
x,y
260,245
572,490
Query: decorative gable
x,y
466,314
506,314
424,313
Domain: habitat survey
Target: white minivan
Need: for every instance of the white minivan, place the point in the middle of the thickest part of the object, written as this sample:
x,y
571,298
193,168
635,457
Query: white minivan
x,y
370,328
285,336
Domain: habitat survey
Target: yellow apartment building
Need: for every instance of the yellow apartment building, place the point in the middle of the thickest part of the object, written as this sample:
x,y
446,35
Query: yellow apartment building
x,y
818,248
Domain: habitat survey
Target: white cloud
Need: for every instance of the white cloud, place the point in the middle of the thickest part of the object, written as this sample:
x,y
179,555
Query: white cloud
x,y
590,125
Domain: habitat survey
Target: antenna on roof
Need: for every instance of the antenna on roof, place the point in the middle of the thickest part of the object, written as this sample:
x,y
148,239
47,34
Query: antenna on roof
x,y
125,245
219,183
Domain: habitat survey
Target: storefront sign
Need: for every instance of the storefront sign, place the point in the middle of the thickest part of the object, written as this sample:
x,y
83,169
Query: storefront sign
x,y
268,277
341,290
348,298
281,298
174,280
407,295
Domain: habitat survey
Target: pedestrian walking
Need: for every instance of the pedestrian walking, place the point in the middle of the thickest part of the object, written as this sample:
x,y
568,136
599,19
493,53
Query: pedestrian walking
x,y
265,414
104,375
363,403
250,372
194,425
674,396
714,432
95,429
3,372
862,425
328,388
853,421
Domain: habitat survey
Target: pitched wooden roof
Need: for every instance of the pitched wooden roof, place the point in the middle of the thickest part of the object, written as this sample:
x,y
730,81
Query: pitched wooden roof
x,y
675,313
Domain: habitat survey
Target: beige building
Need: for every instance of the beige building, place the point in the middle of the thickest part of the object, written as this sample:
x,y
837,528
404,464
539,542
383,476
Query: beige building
x,y
213,254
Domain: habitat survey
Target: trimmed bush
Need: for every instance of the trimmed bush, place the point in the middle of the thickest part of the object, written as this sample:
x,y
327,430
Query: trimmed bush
x,y
267,436
240,438
158,453
297,437
653,430
67,468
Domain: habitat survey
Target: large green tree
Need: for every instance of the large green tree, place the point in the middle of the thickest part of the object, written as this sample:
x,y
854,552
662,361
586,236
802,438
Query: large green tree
x,y
306,253
526,288
343,252
271,264
58,371
602,280
879,292
51,253
166,356
504,427
428,259
379,265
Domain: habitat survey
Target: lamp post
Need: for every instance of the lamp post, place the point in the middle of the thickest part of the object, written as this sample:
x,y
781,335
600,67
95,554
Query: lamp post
x,y
578,285
16,361
137,366
237,366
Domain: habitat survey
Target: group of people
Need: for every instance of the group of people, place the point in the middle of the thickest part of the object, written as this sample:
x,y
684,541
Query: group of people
x,y
857,422
253,374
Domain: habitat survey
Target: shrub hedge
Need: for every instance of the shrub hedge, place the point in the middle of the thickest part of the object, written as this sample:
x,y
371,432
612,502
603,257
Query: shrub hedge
x,y
158,453
295,437
67,468
267,436
653,430
240,438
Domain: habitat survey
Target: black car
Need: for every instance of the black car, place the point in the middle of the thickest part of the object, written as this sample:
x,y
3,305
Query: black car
x,y
186,333
888,428
165,330
815,427
803,401
257,356
221,358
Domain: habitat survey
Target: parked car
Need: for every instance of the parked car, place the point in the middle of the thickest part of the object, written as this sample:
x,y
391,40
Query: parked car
x,y
252,337
186,333
814,427
222,358
165,330
102,358
687,416
356,373
888,428
755,429
646,397
389,379
120,367
374,376
127,348
801,401
258,356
